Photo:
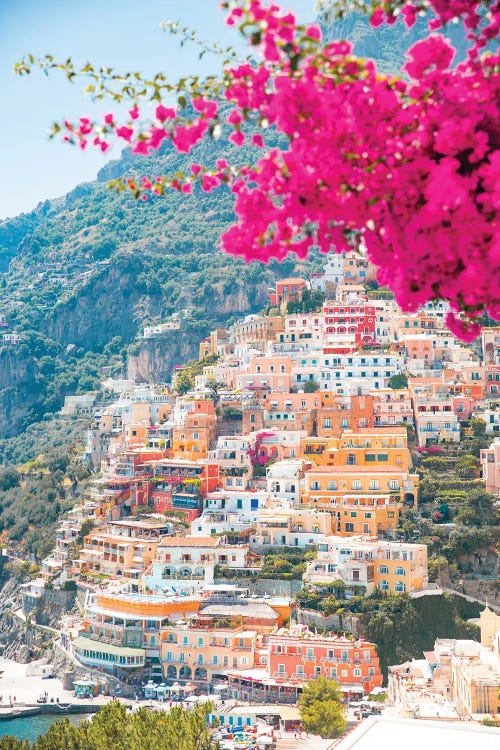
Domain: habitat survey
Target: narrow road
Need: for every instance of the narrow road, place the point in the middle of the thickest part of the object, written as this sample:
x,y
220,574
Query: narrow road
x,y
472,599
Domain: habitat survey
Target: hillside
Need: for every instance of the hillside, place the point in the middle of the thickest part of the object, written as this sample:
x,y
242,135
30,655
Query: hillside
x,y
80,275
88,270
386,45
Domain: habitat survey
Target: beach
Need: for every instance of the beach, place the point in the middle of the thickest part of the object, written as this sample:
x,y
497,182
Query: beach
x,y
17,688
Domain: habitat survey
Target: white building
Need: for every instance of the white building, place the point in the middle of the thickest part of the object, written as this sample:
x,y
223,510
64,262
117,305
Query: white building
x,y
229,511
283,480
345,373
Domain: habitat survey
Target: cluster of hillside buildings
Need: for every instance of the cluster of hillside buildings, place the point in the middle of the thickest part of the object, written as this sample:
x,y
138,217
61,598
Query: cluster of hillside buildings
x,y
301,445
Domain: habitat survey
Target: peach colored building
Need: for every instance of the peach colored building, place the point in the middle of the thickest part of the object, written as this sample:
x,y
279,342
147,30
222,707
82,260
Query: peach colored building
x,y
392,407
202,648
268,372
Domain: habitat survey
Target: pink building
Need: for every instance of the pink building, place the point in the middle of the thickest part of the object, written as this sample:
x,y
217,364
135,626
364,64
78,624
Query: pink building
x,y
490,467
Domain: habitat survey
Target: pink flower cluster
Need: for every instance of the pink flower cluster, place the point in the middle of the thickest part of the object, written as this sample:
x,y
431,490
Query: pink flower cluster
x,y
480,17
407,167
165,125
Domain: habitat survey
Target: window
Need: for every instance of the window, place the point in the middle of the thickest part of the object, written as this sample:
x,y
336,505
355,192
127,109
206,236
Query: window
x,y
332,484
374,485
383,569
326,423
399,571
394,484
383,585
281,669
383,457
357,673
400,587
315,485
351,458
370,457
349,527
300,670
356,484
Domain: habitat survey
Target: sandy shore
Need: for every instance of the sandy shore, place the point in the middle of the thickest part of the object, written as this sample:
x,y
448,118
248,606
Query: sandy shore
x,y
17,687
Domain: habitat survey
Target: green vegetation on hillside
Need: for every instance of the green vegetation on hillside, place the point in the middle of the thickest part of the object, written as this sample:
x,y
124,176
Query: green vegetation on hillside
x,y
401,627
92,268
35,494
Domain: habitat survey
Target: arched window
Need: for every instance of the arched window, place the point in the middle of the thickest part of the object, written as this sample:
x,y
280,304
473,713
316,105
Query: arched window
x,y
399,571
383,569
400,587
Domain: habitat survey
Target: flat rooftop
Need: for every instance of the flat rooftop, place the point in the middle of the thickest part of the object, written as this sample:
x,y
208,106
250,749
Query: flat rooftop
x,y
415,734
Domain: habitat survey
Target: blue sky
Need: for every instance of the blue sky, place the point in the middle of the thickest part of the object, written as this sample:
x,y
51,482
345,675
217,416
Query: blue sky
x,y
124,34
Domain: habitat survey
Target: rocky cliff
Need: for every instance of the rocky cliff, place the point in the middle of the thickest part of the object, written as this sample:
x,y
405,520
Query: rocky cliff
x,y
20,389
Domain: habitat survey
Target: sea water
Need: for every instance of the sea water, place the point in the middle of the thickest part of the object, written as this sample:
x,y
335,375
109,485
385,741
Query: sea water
x,y
31,727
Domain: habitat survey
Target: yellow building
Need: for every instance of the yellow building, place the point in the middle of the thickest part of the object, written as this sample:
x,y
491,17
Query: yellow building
x,y
384,446
369,514
392,567
325,485
113,554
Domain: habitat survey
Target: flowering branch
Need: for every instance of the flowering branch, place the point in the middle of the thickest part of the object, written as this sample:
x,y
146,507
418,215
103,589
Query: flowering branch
x,y
407,165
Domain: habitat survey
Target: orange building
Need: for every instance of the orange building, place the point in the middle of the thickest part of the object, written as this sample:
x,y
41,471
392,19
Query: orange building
x,y
340,413
297,653
194,438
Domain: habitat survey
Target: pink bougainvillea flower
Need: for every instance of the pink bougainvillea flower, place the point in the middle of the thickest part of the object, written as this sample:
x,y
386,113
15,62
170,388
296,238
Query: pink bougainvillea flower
x,y
134,112
164,113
